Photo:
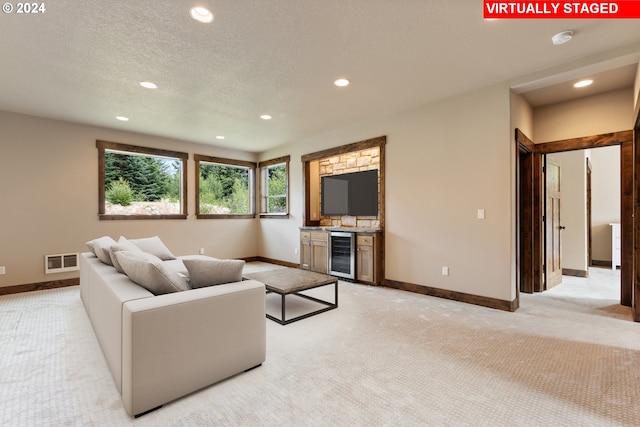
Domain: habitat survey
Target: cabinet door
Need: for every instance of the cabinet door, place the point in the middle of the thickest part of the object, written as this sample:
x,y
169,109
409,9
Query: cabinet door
x,y
365,259
364,264
319,256
305,254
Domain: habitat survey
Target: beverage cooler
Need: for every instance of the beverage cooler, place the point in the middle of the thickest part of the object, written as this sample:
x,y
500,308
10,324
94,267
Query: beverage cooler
x,y
342,256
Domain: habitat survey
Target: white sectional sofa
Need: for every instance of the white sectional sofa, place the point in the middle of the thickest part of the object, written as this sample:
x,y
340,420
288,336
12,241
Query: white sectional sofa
x,y
162,347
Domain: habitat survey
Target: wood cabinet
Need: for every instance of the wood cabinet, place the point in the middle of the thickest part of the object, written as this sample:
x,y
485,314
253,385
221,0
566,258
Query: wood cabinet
x,y
366,259
314,251
314,254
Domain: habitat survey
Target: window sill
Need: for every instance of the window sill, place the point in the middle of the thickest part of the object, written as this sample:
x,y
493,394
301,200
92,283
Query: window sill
x,y
239,216
274,215
107,217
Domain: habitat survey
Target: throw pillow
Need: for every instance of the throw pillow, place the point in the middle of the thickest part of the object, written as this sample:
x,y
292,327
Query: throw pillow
x,y
122,245
154,246
149,272
100,248
209,272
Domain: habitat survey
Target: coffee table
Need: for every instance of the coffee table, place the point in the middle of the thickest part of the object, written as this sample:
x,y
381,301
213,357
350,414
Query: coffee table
x,y
291,281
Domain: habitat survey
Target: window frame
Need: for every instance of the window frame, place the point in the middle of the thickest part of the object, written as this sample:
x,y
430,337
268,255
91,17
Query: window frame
x,y
263,197
137,150
198,158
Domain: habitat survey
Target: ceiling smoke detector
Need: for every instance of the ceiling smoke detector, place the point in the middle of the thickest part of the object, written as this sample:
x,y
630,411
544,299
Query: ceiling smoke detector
x,y
562,37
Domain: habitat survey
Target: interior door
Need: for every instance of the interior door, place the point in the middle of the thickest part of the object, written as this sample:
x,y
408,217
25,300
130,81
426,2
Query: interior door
x,y
553,228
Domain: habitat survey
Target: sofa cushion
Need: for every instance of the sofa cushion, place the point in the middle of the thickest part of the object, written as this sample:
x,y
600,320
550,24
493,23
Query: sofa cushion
x,y
100,248
122,245
154,246
149,272
209,272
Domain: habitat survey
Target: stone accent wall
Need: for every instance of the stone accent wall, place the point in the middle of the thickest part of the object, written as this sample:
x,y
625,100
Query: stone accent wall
x,y
346,163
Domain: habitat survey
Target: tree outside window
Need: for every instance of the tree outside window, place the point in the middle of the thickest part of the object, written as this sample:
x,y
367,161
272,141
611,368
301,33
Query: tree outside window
x,y
140,182
274,187
225,188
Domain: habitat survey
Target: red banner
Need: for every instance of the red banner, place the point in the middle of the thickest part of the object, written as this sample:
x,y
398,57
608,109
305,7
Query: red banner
x,y
623,9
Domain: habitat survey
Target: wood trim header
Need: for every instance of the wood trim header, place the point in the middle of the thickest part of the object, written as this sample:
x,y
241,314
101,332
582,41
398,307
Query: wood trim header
x,y
343,149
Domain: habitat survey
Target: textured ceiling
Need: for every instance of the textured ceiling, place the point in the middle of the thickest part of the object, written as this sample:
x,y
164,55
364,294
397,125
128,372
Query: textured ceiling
x,y
82,61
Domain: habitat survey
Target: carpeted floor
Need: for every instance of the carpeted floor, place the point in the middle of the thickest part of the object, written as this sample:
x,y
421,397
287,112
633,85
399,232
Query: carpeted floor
x,y
567,357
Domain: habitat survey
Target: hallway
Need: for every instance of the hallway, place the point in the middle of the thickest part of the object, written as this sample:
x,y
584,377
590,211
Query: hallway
x,y
597,294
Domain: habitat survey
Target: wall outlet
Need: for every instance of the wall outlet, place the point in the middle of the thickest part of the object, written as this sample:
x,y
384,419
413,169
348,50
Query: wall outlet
x,y
295,250
3,270
201,251
445,271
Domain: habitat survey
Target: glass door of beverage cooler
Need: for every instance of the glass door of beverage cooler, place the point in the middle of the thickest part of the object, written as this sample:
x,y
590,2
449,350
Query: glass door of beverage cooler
x,y
342,258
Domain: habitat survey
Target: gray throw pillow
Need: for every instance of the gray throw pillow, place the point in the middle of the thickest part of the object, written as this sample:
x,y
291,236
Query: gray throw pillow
x,y
154,246
101,248
209,272
122,245
149,272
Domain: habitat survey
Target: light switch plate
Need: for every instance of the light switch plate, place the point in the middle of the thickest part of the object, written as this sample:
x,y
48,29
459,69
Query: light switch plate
x,y
480,213
2,270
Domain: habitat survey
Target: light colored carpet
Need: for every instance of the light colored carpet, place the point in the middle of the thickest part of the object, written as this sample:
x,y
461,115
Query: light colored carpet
x,y
384,357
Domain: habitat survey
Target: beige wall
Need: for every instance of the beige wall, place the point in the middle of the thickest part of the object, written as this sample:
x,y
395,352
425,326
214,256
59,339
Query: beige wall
x,y
444,161
49,183
609,112
521,115
593,115
636,88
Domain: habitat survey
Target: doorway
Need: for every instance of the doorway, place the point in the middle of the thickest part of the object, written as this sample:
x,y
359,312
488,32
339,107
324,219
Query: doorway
x,y
530,256
578,234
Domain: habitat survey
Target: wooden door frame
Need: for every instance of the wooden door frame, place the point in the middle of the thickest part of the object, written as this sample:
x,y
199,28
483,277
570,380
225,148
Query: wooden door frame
x,y
589,207
635,210
529,258
530,220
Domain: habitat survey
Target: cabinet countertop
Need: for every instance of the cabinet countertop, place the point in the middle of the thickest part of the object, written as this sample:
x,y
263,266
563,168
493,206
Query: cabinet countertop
x,y
347,229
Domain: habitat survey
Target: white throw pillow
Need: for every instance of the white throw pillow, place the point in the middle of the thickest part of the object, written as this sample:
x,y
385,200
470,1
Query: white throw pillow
x,y
154,246
122,245
209,272
149,272
101,248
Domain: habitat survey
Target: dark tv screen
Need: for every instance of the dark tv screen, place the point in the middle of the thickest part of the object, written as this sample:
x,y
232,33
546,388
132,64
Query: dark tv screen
x,y
354,194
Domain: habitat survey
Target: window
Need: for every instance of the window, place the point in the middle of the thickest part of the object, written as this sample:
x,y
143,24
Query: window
x,y
225,188
140,182
274,188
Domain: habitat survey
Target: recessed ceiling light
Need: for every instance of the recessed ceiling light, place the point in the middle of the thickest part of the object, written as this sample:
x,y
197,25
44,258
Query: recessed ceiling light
x,y
341,82
219,137
149,85
562,37
122,118
583,83
201,14
265,117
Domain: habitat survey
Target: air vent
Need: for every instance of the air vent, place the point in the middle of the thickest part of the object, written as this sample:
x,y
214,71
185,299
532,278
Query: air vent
x,y
59,263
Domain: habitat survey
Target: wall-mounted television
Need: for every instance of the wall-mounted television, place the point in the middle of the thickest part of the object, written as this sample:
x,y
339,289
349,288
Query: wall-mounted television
x,y
354,194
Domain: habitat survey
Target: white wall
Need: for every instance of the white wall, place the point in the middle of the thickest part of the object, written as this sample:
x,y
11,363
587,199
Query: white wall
x,y
605,199
49,190
443,162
